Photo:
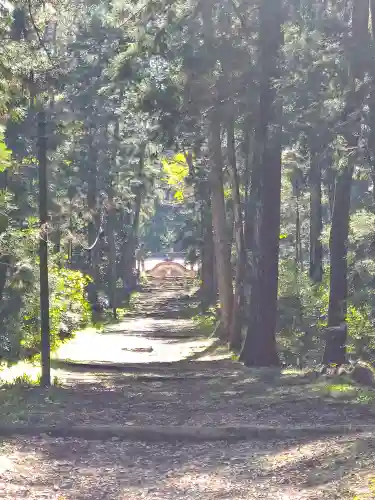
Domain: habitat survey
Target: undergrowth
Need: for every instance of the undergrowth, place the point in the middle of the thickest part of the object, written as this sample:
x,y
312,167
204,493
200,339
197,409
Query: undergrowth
x,y
206,322
343,388
26,380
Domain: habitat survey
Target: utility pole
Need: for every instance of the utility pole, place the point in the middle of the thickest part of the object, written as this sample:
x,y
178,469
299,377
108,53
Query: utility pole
x,y
43,251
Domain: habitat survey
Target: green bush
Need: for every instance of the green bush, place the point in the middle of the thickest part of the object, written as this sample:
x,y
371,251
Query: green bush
x,y
361,335
69,309
302,312
303,309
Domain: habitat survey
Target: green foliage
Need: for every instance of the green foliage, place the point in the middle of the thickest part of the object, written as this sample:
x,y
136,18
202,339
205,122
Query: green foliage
x,y
27,380
361,332
20,307
69,309
176,170
343,388
340,390
128,93
206,322
302,310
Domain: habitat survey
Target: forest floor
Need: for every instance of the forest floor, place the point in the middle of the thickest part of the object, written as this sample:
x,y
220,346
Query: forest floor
x,y
141,410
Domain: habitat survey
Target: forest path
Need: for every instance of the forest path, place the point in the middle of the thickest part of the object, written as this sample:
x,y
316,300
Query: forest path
x,y
159,329
139,390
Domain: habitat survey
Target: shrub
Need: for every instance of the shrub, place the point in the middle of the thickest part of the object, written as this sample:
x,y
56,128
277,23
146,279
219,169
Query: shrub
x,y
69,309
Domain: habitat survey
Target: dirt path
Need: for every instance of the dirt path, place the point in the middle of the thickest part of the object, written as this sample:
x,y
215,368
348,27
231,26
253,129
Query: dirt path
x,y
158,384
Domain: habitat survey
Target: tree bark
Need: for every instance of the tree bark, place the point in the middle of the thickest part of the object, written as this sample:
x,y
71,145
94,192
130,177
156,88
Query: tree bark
x,y
235,337
132,220
248,146
260,344
111,223
112,267
93,225
316,225
45,380
249,209
335,348
134,231
138,199
298,247
219,223
4,259
331,180
208,290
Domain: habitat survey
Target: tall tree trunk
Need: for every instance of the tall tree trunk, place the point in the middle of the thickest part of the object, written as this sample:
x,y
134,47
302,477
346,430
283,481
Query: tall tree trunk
x,y
335,349
4,259
215,179
249,216
219,223
138,200
260,344
132,221
125,267
235,337
45,380
93,225
133,234
249,212
331,180
298,247
316,225
111,222
112,266
208,290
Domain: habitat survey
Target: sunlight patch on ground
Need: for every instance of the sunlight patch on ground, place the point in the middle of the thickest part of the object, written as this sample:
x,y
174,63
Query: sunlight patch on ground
x,y
340,390
364,486
306,453
220,353
115,345
345,392
201,482
26,370
9,374
30,373
334,460
6,465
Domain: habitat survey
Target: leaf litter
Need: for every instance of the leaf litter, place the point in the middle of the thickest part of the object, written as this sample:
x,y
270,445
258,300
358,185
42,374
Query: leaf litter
x,y
212,392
